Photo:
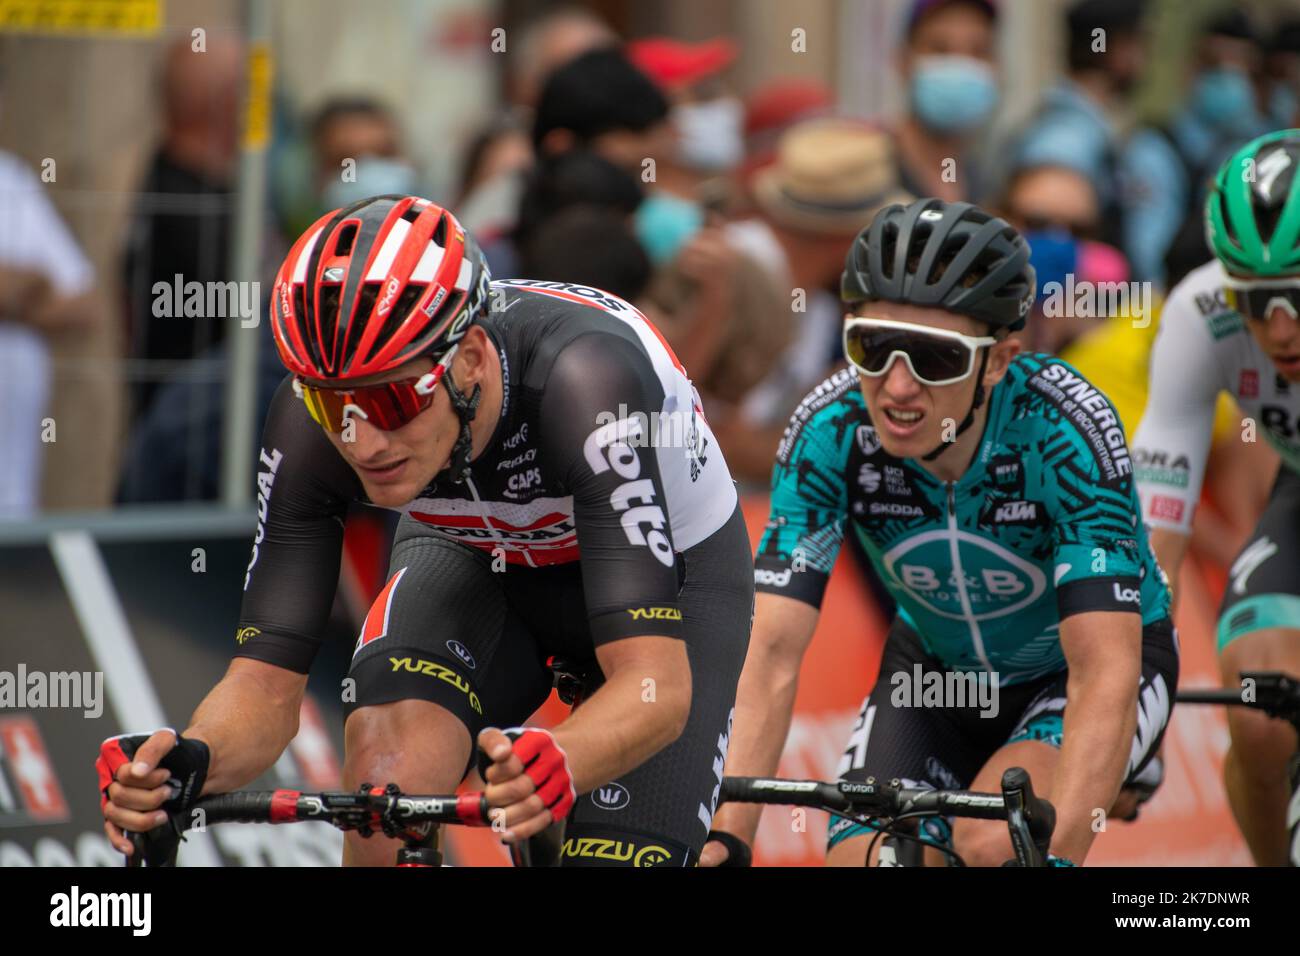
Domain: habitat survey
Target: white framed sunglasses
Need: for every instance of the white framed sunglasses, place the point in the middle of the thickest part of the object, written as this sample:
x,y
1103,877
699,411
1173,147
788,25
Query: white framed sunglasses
x,y
1254,299
933,356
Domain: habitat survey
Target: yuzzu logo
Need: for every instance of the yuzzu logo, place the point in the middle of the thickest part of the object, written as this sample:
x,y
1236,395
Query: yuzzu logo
x,y
996,581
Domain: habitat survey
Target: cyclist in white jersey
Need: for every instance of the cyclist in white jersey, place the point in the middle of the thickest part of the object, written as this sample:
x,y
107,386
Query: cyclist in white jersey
x,y
1231,325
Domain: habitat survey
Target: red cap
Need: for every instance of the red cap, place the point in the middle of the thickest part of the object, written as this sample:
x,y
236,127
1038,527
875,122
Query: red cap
x,y
674,63
779,103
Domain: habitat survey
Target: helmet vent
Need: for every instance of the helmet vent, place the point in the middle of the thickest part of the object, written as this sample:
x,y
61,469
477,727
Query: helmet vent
x,y
401,310
347,236
440,232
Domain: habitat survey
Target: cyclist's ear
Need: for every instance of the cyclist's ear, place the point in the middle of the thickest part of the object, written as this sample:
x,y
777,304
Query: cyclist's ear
x,y
1000,356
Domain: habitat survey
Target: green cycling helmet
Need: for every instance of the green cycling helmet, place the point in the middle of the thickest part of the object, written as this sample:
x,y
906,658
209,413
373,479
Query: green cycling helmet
x,y
1252,214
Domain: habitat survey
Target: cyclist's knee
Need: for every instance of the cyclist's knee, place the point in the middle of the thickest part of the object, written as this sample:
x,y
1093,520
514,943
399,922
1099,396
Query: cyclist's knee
x,y
1260,745
1267,649
414,743
982,842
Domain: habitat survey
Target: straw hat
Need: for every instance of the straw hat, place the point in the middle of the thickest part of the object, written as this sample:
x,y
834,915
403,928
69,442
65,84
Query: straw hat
x,y
830,176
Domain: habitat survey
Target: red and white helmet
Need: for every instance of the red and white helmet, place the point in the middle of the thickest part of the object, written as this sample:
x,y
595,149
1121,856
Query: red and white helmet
x,y
375,284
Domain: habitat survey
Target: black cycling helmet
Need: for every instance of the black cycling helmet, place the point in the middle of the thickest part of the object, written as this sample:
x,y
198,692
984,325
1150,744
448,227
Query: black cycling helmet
x,y
926,254
945,255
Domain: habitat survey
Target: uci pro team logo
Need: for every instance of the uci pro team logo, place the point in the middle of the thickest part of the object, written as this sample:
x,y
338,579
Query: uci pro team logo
x,y
996,581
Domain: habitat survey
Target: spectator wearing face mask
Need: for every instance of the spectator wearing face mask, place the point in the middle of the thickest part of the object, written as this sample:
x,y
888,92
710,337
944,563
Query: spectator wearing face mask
x,y
1076,124
1056,209
357,152
947,64
828,179
1166,168
707,121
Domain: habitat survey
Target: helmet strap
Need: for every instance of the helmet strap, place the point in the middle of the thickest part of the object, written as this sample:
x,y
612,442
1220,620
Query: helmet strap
x,y
970,415
466,408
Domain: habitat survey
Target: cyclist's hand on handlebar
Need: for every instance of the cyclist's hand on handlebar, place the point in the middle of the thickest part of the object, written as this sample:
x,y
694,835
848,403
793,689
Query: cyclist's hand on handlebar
x,y
139,773
529,785
714,854
724,849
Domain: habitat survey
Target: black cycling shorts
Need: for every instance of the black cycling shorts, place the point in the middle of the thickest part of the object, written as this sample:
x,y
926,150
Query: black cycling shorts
x,y
946,747
1263,589
449,629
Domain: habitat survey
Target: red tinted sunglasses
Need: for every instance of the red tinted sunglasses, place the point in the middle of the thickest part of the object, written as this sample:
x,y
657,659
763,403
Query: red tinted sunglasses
x,y
387,406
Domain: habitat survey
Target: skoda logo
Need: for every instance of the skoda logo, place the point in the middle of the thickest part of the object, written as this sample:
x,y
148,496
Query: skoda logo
x,y
459,649
612,796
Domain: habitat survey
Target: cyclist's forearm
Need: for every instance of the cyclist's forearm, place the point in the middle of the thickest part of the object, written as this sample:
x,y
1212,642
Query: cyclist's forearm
x,y
635,714
1100,720
764,709
246,721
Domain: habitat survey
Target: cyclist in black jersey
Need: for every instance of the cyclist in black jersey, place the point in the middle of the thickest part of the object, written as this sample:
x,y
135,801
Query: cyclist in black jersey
x,y
562,496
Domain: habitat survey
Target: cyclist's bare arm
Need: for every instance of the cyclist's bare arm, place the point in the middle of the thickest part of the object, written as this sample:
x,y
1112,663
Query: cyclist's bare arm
x,y
247,721
1170,548
641,708
1103,650
783,629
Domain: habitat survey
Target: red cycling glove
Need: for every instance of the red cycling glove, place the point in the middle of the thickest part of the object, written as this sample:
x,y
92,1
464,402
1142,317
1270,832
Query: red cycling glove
x,y
546,765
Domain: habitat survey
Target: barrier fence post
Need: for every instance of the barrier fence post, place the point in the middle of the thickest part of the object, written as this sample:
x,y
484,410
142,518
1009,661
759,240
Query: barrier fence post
x,y
246,255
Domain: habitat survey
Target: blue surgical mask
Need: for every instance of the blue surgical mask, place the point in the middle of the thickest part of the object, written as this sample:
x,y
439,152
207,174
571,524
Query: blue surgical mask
x,y
1225,99
665,223
953,94
1054,254
375,176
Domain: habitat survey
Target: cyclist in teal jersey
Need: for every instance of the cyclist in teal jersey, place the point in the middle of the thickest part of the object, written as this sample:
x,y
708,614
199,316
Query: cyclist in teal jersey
x,y
994,493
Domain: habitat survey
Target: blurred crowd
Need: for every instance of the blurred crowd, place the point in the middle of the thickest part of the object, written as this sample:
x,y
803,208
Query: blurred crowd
x,y
638,166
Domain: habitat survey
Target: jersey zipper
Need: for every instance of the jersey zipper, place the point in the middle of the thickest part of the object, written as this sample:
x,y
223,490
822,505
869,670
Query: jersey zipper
x,y
977,639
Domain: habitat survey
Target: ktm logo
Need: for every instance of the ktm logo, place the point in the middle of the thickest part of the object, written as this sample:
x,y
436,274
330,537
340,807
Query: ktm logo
x,y
246,634
655,613
1016,511
601,849
421,666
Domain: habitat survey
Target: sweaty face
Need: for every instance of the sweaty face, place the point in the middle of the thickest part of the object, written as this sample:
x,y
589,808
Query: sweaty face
x,y
395,466
909,416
